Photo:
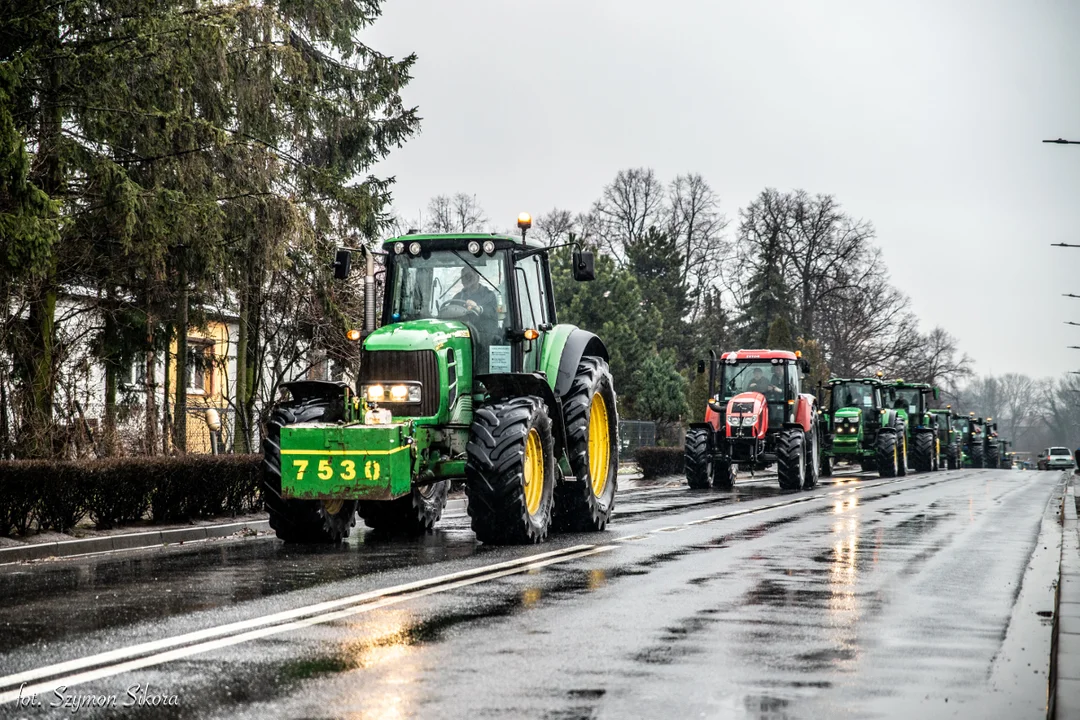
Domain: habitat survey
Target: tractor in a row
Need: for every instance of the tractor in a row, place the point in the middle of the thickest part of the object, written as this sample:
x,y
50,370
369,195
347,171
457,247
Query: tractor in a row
x,y
469,377
757,416
860,426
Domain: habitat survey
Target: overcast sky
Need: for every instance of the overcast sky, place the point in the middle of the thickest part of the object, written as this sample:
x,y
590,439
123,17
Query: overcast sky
x,y
922,116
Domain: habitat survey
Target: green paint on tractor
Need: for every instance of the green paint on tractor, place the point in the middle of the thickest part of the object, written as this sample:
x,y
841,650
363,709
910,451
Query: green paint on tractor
x,y
858,428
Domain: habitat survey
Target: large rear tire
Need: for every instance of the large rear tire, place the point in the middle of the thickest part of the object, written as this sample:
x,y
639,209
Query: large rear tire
x,y
790,459
826,466
697,459
414,514
923,452
592,447
993,457
302,521
886,454
510,472
952,461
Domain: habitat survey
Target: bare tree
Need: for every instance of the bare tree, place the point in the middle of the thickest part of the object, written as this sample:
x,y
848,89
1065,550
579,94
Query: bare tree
x,y
938,361
467,214
696,222
555,226
440,215
825,252
628,207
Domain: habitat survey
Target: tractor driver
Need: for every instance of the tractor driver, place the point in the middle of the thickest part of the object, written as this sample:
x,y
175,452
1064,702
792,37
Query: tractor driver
x,y
769,389
473,296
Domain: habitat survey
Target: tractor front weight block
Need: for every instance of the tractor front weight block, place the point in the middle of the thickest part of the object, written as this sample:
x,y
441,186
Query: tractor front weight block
x,y
360,462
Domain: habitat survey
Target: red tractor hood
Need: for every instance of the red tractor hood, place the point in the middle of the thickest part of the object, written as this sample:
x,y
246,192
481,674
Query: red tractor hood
x,y
742,407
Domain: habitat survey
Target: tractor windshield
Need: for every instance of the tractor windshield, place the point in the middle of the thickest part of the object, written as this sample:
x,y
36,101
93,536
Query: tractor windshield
x,y
457,285
959,425
761,376
449,285
909,399
856,395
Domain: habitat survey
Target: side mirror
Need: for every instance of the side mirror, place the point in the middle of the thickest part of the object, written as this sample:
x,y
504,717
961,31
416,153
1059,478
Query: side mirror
x,y
700,367
936,396
342,263
584,266
716,406
805,365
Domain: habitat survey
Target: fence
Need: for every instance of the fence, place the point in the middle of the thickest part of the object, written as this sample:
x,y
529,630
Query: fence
x,y
634,434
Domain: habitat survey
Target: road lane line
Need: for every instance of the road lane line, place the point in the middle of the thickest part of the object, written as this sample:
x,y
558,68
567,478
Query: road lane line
x,y
223,642
201,635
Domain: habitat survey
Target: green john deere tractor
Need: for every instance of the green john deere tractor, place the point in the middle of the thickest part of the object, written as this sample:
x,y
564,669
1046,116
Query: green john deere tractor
x,y
858,427
470,377
991,444
949,437
973,441
911,401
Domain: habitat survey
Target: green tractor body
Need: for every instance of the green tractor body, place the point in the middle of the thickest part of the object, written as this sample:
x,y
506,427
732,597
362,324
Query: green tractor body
x,y
858,428
911,402
470,378
949,438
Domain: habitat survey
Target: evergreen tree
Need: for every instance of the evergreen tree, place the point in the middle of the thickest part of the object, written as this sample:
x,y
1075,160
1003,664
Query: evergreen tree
x,y
656,261
161,128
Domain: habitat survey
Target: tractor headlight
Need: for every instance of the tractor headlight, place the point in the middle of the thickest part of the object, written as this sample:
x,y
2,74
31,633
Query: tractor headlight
x,y
474,247
414,248
405,393
489,247
375,393
399,247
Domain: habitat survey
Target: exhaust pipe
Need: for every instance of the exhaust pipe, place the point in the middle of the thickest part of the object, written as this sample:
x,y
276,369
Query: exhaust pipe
x,y
369,292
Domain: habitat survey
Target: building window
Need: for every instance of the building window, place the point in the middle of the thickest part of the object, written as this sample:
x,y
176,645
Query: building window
x,y
200,365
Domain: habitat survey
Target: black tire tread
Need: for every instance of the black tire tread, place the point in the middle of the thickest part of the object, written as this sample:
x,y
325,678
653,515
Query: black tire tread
x,y
789,450
696,458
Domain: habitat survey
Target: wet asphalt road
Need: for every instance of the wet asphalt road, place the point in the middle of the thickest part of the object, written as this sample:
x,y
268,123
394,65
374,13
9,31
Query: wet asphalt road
x,y
862,598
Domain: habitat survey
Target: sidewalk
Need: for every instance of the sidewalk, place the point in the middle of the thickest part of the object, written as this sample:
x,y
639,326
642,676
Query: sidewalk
x,y
1066,677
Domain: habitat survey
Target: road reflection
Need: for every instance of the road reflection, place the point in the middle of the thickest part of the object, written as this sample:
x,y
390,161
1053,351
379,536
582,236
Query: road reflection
x,y
843,603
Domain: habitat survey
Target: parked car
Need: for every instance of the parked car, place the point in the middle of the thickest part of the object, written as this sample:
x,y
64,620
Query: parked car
x,y
1056,458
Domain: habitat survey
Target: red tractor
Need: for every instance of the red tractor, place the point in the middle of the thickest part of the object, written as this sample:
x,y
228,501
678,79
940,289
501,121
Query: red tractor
x,y
756,416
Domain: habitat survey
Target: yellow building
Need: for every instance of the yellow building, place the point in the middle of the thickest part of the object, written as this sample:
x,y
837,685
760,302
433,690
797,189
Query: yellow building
x,y
211,364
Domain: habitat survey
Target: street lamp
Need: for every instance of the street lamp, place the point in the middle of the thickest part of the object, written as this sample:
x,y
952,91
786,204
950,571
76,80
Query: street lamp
x,y
1062,141
213,421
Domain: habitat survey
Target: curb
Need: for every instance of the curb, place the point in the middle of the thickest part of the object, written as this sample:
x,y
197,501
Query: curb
x,y
131,541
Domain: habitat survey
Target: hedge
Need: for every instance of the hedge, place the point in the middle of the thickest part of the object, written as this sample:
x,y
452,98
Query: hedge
x,y
58,494
659,461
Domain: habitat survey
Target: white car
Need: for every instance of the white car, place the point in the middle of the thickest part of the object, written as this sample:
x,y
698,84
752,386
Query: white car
x,y
1055,458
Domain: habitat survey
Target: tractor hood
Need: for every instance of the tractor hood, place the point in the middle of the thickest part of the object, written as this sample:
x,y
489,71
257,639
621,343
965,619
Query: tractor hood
x,y
746,416
428,334
848,412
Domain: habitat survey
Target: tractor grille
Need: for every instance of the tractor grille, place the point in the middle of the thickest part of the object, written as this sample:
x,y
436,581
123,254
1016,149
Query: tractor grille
x,y
390,366
742,407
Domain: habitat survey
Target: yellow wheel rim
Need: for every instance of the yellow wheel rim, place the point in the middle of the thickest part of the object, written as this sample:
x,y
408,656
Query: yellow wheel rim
x,y
599,444
332,507
534,471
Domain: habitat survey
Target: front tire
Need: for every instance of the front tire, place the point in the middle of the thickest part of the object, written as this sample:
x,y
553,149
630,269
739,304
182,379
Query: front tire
x,y
977,456
901,454
294,520
923,455
952,462
723,475
697,459
592,447
414,514
813,460
886,454
826,466
510,472
790,459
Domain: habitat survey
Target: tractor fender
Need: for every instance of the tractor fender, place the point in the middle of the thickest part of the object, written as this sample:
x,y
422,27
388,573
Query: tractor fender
x,y
578,344
501,386
305,389
806,412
